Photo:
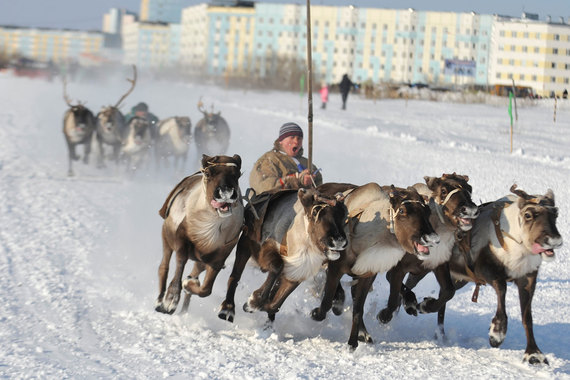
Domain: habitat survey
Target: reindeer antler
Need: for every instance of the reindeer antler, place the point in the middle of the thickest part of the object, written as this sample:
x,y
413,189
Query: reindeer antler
x,y
201,107
133,83
65,97
523,194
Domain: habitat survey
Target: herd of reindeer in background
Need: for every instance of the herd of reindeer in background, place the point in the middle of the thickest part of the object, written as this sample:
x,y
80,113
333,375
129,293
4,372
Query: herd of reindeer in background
x,y
347,229
133,143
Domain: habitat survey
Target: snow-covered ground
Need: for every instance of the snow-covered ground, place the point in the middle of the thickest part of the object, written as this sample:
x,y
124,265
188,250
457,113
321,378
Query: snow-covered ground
x,y
79,256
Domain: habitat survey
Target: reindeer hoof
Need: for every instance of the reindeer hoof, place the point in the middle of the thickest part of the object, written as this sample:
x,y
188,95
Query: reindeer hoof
x,y
535,358
384,316
363,336
227,312
497,333
317,315
190,282
337,308
426,305
162,309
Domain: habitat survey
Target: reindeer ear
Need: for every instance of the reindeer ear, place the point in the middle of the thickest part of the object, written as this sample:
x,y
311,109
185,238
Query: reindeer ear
x,y
237,159
339,197
431,182
549,195
306,197
205,160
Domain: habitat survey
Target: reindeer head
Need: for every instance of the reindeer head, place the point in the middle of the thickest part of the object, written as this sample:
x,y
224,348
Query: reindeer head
x,y
409,221
452,194
83,117
221,181
326,217
537,218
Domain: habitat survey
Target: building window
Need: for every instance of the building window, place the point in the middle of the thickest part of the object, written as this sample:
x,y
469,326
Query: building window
x,y
555,51
553,79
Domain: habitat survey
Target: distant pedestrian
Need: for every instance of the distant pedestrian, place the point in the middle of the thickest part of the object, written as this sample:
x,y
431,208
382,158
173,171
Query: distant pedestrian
x,y
345,85
324,95
565,94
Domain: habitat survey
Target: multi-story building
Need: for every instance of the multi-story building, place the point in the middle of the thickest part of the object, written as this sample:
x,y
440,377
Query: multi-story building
x,y
162,10
377,44
56,45
533,53
151,44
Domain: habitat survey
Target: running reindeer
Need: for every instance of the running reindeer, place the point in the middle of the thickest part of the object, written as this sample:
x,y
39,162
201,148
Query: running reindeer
x,y
508,242
203,218
111,126
212,133
297,232
78,128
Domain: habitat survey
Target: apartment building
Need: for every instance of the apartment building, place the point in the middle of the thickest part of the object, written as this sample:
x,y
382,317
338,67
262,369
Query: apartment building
x,y
533,53
151,44
45,44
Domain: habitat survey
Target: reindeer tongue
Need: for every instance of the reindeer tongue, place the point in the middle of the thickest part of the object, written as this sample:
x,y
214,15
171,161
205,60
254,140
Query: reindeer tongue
x,y
537,248
421,248
219,205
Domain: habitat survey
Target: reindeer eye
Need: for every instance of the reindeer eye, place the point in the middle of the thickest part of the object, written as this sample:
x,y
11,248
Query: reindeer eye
x,y
443,192
527,216
402,211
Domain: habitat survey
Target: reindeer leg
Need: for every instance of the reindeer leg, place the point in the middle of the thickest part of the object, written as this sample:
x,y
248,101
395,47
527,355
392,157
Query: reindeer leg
x,y
358,331
526,286
172,297
197,269
395,276
243,253
71,157
269,260
498,329
261,296
162,275
332,283
87,151
101,158
286,287
446,290
408,296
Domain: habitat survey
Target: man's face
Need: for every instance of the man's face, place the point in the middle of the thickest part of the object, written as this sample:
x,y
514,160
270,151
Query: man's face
x,y
140,113
291,145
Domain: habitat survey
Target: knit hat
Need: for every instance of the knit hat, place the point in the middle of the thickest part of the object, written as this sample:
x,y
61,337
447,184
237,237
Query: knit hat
x,y
141,107
289,129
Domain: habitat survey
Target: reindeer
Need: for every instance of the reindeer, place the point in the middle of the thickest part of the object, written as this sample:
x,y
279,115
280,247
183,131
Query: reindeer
x,y
386,222
203,218
212,133
299,230
137,143
173,139
78,128
508,242
452,213
111,125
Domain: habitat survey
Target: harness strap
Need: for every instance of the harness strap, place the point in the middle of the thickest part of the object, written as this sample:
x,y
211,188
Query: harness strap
x,y
496,218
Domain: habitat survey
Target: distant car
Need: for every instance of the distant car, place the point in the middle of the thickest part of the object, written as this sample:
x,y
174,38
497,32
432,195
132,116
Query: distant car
x,y
30,68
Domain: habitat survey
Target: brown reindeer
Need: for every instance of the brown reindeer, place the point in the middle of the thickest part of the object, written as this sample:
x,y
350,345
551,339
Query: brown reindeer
x,y
386,222
173,139
211,133
203,218
111,126
452,213
78,128
509,240
298,231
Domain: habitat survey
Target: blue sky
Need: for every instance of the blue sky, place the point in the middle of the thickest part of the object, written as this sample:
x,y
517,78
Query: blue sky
x,y
87,14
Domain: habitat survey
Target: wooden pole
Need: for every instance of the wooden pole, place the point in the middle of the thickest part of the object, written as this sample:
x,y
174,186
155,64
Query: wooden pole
x,y
310,88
